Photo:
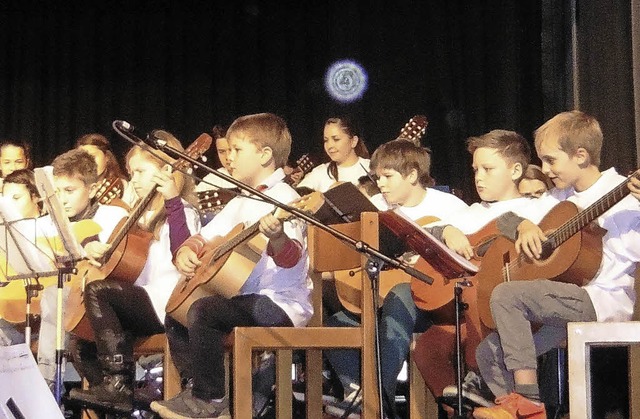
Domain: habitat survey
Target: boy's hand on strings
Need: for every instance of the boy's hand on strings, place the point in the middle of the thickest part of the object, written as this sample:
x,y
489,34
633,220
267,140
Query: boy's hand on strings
x,y
457,241
166,183
187,261
530,238
96,250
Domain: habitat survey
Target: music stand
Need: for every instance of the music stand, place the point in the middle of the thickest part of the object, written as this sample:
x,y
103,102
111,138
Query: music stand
x,y
66,253
22,259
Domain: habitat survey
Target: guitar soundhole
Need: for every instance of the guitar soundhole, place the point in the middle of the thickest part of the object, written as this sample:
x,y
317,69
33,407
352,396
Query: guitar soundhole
x,y
547,249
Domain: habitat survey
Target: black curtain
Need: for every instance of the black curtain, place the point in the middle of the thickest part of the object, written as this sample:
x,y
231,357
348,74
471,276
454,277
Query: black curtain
x,y
70,68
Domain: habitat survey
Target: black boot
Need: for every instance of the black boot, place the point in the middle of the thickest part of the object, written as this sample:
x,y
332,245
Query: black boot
x,y
115,392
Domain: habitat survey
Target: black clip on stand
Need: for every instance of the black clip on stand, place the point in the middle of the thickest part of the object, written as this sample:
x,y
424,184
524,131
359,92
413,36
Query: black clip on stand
x,y
376,258
31,290
460,307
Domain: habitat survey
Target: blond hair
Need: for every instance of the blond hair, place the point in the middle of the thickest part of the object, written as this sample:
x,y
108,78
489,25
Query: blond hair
x,y
265,130
573,129
184,183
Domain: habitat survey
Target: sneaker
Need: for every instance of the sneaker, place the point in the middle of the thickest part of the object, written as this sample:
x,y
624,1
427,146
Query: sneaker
x,y
474,392
351,404
510,406
158,406
186,406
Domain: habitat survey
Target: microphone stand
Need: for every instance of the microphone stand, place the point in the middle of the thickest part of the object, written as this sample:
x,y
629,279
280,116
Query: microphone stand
x,y
376,259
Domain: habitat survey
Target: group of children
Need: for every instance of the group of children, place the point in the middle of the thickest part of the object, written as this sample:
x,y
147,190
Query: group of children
x,y
278,290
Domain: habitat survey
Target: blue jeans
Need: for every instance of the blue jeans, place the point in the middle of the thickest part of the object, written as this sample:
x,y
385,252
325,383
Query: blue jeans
x,y
399,319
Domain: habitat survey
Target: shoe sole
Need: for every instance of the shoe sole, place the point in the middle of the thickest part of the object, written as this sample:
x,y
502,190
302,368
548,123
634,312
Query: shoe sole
x,y
168,414
325,398
339,412
476,399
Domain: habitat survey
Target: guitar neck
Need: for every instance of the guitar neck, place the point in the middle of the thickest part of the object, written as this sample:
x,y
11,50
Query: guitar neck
x,y
589,214
134,216
236,240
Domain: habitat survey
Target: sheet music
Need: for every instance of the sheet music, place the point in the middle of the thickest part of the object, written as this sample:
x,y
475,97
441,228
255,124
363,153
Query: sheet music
x,y
22,257
47,190
416,228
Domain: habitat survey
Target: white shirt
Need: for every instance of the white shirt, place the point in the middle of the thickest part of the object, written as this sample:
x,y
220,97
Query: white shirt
x,y
612,289
159,276
435,203
211,182
289,288
319,180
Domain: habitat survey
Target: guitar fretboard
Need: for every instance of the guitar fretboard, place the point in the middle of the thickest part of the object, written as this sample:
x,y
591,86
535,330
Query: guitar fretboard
x,y
586,216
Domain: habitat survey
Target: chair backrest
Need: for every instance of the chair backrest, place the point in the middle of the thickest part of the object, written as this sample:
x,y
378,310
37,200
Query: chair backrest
x,y
327,253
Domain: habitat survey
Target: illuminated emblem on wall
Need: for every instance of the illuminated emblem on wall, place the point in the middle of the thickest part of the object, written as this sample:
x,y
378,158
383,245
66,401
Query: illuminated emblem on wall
x,y
346,81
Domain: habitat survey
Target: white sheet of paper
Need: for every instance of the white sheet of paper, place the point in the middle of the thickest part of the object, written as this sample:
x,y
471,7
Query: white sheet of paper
x,y
21,381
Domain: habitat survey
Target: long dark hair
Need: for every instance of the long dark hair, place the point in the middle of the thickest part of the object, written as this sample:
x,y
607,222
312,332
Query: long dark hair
x,y
348,126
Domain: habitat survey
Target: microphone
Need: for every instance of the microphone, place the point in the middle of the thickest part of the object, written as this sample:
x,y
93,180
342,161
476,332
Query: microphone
x,y
125,130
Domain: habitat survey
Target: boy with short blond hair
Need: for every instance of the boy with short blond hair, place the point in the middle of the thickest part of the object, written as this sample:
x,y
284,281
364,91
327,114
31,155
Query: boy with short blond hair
x,y
498,161
569,146
74,175
277,292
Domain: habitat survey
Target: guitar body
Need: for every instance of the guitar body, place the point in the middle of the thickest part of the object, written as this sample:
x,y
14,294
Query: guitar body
x,y
220,273
348,286
437,298
575,261
13,300
125,264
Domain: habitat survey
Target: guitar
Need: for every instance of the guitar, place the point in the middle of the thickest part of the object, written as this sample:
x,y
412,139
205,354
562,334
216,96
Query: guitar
x,y
572,252
109,189
227,262
415,129
213,200
303,165
127,239
438,297
349,289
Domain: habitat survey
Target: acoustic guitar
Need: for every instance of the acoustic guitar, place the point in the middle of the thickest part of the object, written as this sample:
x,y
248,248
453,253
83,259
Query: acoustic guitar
x,y
127,255
572,252
228,261
437,298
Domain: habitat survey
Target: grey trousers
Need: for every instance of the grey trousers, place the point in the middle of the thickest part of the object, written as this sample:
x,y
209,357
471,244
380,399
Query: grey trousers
x,y
515,306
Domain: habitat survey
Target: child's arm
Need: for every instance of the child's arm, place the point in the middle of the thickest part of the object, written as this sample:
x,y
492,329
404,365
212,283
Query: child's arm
x,y
634,185
286,252
457,241
176,218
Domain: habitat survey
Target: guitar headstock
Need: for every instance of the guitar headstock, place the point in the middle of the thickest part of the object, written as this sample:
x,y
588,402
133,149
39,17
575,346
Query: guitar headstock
x,y
309,204
195,150
109,189
414,129
305,164
213,200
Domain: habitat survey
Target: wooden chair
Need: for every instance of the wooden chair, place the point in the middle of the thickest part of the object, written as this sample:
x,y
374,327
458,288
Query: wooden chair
x,y
327,254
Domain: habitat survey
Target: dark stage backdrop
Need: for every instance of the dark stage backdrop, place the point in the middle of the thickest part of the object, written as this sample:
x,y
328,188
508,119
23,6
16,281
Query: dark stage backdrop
x,y
184,66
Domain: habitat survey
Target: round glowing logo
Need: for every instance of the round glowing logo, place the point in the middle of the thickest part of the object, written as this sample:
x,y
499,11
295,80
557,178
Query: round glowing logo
x,y
346,81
